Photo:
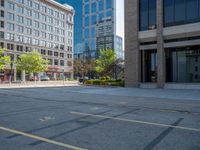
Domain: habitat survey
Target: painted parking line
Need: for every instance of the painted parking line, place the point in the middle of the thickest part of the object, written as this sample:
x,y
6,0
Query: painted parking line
x,y
136,121
41,138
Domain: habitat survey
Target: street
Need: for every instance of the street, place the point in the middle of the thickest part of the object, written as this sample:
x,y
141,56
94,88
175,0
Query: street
x,y
99,118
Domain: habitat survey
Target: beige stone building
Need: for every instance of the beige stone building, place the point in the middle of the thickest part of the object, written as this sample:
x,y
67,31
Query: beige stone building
x,y
162,42
42,25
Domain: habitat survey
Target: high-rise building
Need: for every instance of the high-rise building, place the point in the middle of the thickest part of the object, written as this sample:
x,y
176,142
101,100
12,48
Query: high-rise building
x,y
78,41
162,42
42,25
103,21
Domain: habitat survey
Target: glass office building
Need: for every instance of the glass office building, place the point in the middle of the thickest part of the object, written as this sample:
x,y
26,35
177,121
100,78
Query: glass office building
x,y
165,47
95,14
78,41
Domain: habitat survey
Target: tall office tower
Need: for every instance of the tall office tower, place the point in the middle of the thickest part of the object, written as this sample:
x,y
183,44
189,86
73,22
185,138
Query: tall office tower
x,y
42,25
162,42
78,41
103,25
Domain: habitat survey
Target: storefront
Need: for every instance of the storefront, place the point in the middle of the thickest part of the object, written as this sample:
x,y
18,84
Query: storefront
x,y
183,64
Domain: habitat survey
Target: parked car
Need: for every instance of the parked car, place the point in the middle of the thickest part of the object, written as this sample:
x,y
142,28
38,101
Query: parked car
x,y
1,77
34,78
44,78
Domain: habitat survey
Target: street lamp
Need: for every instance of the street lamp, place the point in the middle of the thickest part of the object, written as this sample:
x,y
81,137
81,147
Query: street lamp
x,y
11,68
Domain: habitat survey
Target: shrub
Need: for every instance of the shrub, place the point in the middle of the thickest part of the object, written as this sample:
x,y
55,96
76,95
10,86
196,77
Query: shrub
x,y
88,82
105,82
96,82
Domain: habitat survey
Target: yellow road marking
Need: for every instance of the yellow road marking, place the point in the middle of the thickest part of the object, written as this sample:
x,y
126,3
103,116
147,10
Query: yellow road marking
x,y
136,121
41,138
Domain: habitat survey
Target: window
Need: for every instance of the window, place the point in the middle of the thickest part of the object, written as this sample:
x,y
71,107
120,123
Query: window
x,y
43,18
28,31
43,51
20,10
62,47
10,26
19,38
43,35
62,62
20,29
1,45
2,24
20,48
177,12
56,54
87,21
10,6
109,14
44,9
50,53
10,16
94,18
62,55
101,5
35,42
36,15
28,49
2,13
147,14
20,19
101,16
2,3
28,22
20,1
10,36
56,62
44,26
87,9
1,35
108,4
36,24
50,61
29,12
36,6
10,46
29,3
94,7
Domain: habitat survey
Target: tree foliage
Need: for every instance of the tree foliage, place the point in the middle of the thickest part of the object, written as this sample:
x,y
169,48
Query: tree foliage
x,y
3,59
105,63
84,67
31,62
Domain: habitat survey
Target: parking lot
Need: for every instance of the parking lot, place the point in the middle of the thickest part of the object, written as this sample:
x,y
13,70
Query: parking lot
x,y
96,118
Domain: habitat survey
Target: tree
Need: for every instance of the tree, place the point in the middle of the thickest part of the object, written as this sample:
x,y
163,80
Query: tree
x,y
3,59
105,64
31,62
84,67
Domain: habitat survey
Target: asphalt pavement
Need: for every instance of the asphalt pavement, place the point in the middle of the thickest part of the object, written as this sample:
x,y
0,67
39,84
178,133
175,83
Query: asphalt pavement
x,y
99,118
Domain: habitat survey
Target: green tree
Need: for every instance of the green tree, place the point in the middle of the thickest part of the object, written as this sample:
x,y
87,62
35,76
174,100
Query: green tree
x,y
3,59
105,64
84,68
31,62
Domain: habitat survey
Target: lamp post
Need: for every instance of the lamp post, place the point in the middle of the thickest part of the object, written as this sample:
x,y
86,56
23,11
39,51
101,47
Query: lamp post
x,y
11,68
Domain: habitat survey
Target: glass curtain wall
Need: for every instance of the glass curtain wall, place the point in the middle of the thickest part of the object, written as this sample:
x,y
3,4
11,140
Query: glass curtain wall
x,y
147,10
149,65
183,64
177,12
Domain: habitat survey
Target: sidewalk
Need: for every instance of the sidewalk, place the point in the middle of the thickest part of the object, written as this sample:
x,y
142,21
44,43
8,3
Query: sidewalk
x,y
39,84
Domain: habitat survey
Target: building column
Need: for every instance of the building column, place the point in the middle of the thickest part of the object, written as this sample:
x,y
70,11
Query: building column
x,y
132,52
160,46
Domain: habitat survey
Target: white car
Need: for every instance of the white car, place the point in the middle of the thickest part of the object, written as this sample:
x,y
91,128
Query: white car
x,y
44,78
